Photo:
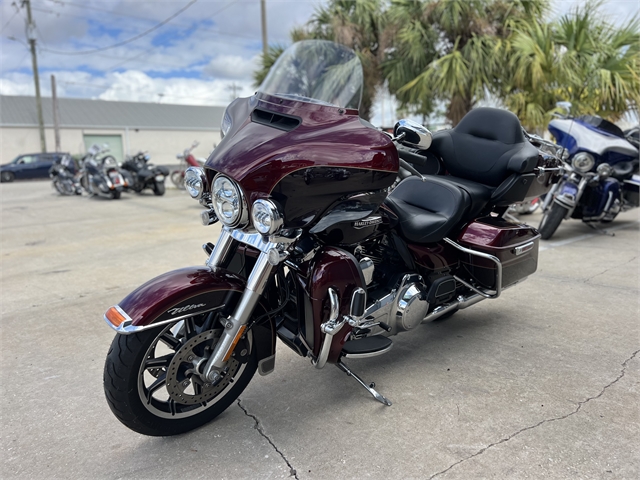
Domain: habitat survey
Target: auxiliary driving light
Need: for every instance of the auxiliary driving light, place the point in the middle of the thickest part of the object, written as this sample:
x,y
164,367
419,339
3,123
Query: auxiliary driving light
x,y
194,182
266,217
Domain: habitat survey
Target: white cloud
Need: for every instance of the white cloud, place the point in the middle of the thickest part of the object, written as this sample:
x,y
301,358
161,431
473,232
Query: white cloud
x,y
231,67
137,86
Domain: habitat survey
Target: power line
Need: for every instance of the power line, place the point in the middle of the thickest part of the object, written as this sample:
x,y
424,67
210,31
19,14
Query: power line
x,y
138,17
124,42
10,20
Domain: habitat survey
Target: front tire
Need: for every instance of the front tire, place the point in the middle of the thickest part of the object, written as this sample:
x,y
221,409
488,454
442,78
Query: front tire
x,y
7,177
149,381
552,220
158,188
115,194
177,178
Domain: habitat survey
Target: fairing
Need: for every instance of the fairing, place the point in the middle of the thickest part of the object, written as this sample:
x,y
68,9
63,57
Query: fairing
x,y
322,154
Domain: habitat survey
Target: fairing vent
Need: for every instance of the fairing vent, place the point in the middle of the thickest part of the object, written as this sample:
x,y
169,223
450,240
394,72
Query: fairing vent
x,y
275,120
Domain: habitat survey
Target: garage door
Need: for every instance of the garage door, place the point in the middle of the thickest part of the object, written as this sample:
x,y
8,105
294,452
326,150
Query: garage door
x,y
113,141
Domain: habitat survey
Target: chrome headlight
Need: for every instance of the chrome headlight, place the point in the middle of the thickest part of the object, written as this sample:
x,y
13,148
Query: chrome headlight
x,y
604,170
265,217
226,123
195,181
583,162
228,202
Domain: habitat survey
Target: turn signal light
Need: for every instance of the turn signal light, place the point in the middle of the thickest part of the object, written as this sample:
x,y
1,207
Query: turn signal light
x,y
114,316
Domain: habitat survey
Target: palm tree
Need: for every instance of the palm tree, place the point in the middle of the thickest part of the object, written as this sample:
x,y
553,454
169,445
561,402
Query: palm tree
x,y
358,24
580,58
452,51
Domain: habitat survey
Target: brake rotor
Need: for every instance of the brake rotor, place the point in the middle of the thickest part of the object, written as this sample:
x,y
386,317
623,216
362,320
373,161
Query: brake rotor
x,y
181,372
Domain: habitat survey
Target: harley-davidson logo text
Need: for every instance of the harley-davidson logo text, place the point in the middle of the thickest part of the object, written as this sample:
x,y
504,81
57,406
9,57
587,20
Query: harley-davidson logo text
x,y
367,222
173,311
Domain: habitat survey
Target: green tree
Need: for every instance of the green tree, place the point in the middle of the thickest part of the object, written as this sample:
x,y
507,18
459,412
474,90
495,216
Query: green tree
x,y
357,24
452,51
581,58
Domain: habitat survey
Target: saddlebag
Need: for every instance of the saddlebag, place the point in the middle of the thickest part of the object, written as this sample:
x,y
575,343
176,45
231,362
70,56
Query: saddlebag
x,y
515,245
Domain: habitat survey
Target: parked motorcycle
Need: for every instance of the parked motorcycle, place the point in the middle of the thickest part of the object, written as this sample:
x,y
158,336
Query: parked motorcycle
x,y
317,248
601,173
186,160
64,176
140,174
101,175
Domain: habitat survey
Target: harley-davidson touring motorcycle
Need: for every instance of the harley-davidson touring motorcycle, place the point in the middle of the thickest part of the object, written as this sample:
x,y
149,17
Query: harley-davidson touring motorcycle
x,y
323,244
101,175
64,176
601,172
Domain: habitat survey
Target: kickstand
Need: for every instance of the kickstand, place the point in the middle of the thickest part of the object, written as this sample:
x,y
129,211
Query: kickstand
x,y
369,388
600,230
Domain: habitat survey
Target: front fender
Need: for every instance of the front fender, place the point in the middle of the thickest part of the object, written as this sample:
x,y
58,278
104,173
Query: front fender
x,y
183,293
567,196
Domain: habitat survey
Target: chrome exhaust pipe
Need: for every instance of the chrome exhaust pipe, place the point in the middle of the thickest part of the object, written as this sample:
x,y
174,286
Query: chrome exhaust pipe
x,y
459,304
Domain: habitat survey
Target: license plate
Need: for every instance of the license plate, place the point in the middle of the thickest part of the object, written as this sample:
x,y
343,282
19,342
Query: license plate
x,y
159,178
116,179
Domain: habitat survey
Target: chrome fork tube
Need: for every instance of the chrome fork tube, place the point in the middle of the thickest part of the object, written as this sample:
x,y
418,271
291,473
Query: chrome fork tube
x,y
222,250
236,324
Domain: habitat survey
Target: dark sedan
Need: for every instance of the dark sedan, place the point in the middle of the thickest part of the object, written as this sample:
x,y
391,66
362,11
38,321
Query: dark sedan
x,y
30,165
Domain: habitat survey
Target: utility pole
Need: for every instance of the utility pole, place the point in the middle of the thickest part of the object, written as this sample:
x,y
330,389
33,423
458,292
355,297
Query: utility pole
x,y
31,34
233,87
263,16
55,112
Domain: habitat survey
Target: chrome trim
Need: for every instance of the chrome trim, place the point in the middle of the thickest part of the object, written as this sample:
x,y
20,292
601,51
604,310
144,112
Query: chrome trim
x,y
523,248
368,355
126,328
329,328
495,260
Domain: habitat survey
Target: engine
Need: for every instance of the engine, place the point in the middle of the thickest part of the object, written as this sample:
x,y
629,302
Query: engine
x,y
395,296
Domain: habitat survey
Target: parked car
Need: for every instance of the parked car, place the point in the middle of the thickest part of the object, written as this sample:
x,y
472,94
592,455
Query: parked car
x,y
30,165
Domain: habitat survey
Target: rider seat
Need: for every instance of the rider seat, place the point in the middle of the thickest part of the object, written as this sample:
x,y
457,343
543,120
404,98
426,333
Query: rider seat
x,y
489,163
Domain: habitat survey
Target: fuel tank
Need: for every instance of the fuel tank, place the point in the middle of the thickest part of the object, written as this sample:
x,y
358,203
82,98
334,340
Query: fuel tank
x,y
306,156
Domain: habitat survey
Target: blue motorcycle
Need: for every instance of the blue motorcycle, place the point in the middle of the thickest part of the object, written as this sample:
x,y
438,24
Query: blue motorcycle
x,y
601,173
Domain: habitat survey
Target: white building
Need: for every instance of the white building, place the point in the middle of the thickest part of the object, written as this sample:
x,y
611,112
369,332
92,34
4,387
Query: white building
x,y
127,127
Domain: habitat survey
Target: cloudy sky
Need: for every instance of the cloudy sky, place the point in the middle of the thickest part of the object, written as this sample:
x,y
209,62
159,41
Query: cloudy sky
x,y
202,56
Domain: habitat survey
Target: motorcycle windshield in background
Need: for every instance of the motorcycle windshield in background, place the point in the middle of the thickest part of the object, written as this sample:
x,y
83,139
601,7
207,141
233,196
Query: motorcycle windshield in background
x,y
317,71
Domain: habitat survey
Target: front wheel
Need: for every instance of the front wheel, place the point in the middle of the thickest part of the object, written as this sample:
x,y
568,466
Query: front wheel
x,y
552,220
158,188
7,177
151,384
177,178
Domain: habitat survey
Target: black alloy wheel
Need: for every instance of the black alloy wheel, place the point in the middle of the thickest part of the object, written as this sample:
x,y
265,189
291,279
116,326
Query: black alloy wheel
x,y
151,381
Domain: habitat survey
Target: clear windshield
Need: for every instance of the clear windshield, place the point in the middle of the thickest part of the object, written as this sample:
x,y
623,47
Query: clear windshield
x,y
317,71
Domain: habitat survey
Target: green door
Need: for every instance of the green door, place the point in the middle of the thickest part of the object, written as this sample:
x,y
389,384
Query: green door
x,y
113,141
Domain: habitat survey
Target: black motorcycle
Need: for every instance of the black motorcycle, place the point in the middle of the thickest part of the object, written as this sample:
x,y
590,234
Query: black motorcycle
x,y
64,175
140,174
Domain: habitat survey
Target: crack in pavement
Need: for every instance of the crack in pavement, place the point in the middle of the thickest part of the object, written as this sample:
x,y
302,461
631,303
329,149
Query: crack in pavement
x,y
610,268
549,420
258,426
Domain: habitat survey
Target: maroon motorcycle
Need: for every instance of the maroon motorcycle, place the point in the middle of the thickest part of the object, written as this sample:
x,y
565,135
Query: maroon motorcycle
x,y
330,242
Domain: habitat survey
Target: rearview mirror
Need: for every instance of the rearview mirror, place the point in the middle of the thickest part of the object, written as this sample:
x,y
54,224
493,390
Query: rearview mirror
x,y
413,134
566,106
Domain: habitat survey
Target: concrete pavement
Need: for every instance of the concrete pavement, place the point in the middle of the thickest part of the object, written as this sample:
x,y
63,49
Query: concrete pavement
x,y
543,382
